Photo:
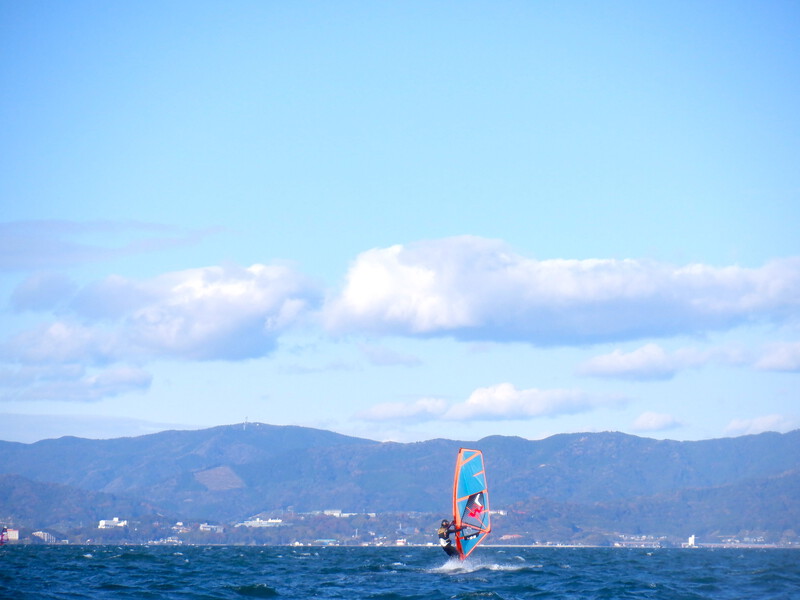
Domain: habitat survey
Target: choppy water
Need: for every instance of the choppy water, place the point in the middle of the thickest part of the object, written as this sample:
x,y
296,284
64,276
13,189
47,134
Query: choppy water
x,y
197,572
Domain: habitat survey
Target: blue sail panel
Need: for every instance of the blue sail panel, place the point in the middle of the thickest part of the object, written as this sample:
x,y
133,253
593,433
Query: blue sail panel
x,y
470,501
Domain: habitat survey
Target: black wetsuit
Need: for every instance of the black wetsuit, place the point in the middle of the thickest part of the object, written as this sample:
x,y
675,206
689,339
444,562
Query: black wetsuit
x,y
444,539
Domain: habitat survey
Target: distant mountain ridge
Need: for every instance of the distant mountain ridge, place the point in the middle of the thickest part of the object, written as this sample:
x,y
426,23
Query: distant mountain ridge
x,y
231,472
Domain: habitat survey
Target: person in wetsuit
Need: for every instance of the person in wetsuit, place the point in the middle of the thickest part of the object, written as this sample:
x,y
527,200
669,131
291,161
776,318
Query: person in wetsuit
x,y
445,529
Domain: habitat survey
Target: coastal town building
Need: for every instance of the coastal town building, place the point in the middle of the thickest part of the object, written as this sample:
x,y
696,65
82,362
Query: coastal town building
x,y
111,523
46,537
259,522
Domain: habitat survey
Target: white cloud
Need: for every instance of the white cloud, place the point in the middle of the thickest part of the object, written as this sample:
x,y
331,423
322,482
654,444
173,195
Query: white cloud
x,y
779,423
478,289
423,409
650,361
385,290
466,287
219,312
651,421
62,342
213,313
75,385
498,402
226,313
780,357
115,298
505,402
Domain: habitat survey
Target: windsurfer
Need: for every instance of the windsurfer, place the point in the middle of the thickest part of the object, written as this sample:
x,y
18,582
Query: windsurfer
x,y
445,529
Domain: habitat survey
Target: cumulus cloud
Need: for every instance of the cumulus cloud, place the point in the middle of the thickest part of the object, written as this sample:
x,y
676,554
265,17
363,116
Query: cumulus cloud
x,y
61,342
779,423
478,289
650,361
652,421
493,403
225,313
468,288
117,297
212,313
780,357
505,402
219,312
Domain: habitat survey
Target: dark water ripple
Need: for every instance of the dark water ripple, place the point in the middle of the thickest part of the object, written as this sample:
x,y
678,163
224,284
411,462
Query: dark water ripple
x,y
222,572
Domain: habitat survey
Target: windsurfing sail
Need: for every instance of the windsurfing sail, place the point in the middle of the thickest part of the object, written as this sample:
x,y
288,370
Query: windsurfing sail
x,y
470,502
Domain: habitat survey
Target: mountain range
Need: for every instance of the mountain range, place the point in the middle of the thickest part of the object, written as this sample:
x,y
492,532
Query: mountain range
x,y
599,482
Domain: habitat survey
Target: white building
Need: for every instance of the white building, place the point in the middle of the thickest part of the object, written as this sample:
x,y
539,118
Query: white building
x,y
110,524
258,522
691,543
46,537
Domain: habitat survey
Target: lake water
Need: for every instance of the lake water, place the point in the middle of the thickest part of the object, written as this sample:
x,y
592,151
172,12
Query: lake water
x,y
196,572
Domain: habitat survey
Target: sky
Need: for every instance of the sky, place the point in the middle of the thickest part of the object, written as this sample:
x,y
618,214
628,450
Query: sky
x,y
400,220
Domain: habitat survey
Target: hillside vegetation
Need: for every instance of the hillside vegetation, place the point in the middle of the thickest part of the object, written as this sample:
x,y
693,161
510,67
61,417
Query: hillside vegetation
x,y
563,486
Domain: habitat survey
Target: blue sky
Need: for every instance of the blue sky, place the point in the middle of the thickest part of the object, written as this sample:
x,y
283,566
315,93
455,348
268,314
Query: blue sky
x,y
400,220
